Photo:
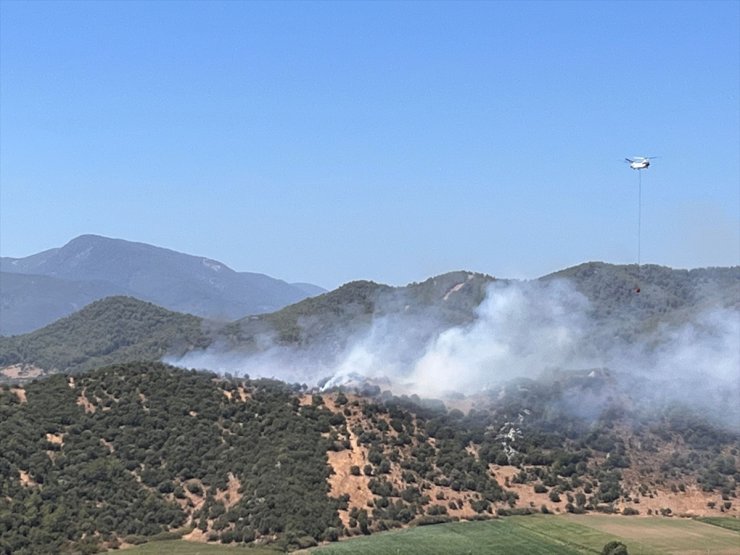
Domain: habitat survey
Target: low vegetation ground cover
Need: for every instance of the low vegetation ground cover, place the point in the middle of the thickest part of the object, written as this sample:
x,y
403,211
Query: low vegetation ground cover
x,y
502,536
572,534
729,523
650,535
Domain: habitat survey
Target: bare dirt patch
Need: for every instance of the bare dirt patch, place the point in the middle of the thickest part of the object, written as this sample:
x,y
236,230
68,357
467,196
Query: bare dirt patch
x,y
242,392
342,481
143,400
22,372
244,395
527,497
193,500
56,439
20,393
454,289
197,535
230,496
85,403
462,501
692,502
26,479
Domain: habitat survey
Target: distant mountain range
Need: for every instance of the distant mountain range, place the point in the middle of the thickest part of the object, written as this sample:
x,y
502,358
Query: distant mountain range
x,y
38,289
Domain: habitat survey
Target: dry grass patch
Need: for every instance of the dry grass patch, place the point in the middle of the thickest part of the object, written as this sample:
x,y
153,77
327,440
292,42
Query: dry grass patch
x,y
692,502
527,496
342,481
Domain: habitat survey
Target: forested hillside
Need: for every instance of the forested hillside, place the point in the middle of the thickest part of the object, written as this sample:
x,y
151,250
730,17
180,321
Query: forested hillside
x,y
115,329
130,452
121,329
29,302
667,296
320,330
334,318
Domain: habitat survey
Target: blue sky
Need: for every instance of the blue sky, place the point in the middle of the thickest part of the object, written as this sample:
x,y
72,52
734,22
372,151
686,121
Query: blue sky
x,y
327,142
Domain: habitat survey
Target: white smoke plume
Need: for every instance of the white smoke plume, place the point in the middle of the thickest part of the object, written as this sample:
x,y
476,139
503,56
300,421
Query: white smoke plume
x,y
521,329
696,363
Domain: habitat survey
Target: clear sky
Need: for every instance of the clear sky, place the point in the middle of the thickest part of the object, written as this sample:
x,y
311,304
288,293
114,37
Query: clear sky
x,y
327,142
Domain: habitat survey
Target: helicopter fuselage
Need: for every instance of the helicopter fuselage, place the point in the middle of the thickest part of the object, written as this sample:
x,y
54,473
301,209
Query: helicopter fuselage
x,y
639,163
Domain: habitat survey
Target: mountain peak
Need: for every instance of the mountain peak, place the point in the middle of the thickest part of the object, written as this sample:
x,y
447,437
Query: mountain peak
x,y
171,279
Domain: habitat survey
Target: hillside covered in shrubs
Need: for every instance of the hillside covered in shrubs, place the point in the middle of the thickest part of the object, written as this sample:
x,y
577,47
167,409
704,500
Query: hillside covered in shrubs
x,y
129,453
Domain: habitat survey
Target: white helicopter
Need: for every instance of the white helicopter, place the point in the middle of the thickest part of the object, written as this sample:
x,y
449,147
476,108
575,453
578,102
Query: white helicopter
x,y
640,162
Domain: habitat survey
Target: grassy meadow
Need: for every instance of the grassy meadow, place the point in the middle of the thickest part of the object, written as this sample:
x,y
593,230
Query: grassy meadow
x,y
533,535
552,535
724,522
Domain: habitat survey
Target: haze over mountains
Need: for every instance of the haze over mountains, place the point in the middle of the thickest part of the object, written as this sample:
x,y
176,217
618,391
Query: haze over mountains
x,y
38,289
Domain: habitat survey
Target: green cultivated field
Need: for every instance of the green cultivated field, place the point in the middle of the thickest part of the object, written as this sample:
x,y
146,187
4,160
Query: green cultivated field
x,y
548,535
531,535
724,522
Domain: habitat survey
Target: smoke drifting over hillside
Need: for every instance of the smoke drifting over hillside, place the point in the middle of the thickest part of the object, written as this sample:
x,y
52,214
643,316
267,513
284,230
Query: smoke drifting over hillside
x,y
519,330
696,363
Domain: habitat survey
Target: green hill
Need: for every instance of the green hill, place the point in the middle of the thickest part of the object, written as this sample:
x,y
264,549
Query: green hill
x,y
38,289
666,295
337,316
321,328
132,451
115,329
138,452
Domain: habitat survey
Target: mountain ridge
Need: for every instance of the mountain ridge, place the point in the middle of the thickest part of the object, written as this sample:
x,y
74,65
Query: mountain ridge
x,y
173,280
322,328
